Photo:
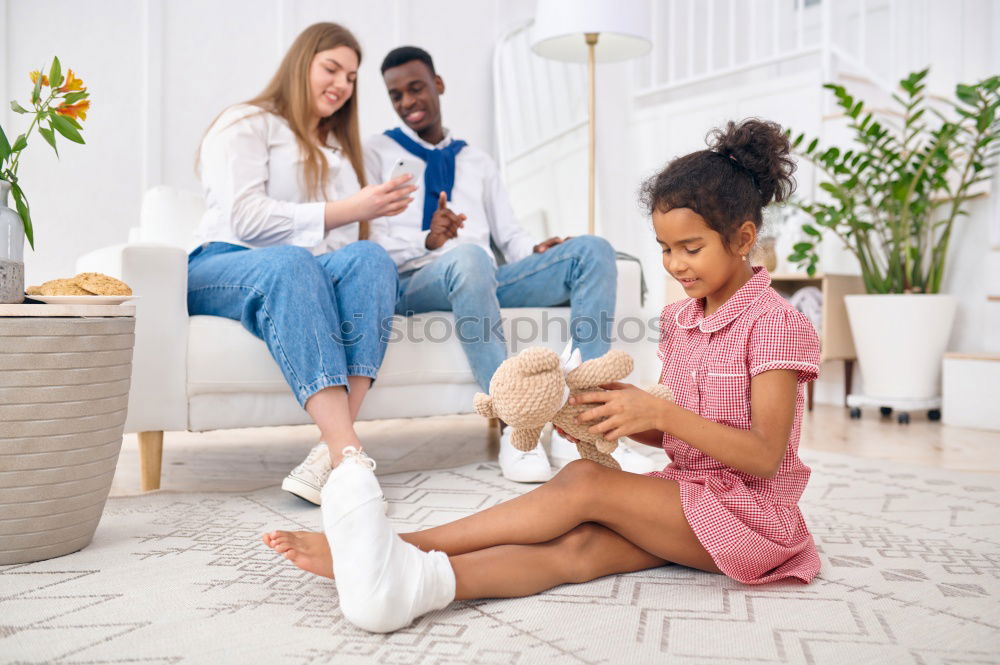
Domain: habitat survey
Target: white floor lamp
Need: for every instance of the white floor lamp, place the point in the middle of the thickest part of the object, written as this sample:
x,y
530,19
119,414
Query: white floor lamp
x,y
590,31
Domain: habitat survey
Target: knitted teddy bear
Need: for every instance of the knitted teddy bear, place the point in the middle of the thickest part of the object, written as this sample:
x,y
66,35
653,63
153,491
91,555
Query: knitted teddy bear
x,y
532,388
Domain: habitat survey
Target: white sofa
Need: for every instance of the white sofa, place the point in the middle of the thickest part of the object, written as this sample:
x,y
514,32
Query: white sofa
x,y
200,373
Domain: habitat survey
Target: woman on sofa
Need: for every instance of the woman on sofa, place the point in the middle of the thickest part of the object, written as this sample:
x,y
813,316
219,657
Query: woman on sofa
x,y
285,189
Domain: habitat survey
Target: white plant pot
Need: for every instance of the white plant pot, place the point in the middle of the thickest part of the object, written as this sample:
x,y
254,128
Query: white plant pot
x,y
900,341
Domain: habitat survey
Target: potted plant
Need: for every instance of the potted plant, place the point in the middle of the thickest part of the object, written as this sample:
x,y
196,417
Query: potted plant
x,y
58,104
895,196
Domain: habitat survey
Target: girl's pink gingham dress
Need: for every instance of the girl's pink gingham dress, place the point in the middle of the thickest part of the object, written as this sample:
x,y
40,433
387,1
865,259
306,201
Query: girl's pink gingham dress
x,y
750,526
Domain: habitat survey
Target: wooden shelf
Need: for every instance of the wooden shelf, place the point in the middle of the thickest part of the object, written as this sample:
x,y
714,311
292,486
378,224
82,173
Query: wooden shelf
x,y
992,357
836,342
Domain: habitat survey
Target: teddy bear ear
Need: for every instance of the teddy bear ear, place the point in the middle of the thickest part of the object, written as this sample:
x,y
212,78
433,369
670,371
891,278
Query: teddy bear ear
x,y
537,360
483,404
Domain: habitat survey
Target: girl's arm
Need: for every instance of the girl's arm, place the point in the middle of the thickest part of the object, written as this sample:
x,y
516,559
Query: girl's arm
x,y
385,200
757,451
651,437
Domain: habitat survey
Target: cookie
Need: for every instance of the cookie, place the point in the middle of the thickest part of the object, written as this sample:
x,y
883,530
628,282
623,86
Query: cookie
x,y
102,285
61,287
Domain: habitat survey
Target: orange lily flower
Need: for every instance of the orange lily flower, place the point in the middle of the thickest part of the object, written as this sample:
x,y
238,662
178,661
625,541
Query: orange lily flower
x,y
78,110
34,77
72,83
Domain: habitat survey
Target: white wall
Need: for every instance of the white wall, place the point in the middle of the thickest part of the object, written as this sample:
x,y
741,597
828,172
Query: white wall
x,y
160,70
640,132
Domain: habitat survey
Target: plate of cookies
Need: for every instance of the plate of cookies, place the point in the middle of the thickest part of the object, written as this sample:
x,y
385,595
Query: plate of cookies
x,y
87,288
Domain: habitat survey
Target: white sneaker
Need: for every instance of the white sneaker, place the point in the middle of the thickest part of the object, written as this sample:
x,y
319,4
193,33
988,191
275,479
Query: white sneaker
x,y
307,479
565,451
520,466
632,461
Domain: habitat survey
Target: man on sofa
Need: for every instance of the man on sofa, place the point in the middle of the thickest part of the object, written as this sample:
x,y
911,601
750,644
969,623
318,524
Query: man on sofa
x,y
442,247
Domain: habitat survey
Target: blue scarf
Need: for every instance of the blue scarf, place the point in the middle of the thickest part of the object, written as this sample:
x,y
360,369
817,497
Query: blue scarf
x,y
439,176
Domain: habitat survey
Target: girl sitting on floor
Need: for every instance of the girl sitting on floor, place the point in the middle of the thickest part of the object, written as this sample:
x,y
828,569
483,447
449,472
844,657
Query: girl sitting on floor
x,y
736,356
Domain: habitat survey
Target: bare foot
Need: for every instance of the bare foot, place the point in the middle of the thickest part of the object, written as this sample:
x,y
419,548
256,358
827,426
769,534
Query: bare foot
x,y
306,549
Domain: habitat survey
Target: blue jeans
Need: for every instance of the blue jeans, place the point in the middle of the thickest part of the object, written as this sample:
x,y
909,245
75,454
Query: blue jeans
x,y
323,318
580,271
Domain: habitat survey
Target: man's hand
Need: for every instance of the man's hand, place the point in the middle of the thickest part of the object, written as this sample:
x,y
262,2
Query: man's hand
x,y
627,410
444,224
551,242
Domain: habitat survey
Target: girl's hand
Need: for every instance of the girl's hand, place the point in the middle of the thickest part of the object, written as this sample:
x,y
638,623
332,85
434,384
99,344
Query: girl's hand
x,y
385,200
627,410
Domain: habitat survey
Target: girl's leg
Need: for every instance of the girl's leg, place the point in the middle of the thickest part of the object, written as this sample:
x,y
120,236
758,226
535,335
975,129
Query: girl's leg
x,y
563,531
330,409
281,295
364,281
587,552
644,510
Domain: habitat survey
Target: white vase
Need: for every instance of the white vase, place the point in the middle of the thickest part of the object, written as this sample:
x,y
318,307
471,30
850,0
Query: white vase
x,y
11,251
900,341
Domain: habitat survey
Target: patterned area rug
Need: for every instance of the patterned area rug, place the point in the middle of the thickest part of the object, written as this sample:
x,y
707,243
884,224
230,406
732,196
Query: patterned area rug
x,y
911,574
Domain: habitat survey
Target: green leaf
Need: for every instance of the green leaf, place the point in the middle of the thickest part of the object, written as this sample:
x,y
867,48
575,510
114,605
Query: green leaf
x,y
985,119
73,122
17,108
74,97
802,247
36,93
49,137
4,147
812,145
24,212
810,230
967,93
55,74
64,127
20,143
916,116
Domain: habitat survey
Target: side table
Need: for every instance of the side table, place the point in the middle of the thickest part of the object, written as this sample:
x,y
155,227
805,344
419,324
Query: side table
x,y
64,382
836,341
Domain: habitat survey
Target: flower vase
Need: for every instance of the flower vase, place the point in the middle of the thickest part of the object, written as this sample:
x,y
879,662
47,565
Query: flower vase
x,y
11,251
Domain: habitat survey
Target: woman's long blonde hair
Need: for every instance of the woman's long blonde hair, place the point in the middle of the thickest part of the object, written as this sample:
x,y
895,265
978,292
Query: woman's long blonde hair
x,y
288,95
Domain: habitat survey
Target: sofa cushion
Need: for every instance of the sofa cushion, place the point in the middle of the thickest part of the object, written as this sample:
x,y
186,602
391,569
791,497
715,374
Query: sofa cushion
x,y
423,349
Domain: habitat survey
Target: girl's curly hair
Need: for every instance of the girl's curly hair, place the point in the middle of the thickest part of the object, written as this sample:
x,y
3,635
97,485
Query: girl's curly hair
x,y
746,167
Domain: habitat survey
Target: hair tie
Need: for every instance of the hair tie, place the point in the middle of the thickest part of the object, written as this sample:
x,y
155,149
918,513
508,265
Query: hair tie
x,y
739,164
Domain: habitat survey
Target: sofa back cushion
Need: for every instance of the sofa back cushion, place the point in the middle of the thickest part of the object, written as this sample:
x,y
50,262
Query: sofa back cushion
x,y
169,216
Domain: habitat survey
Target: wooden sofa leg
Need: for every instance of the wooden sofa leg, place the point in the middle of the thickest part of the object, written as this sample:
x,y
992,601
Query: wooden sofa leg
x,y
150,459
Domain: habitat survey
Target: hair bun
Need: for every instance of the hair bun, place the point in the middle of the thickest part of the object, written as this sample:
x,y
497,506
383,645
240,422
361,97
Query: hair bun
x,y
762,149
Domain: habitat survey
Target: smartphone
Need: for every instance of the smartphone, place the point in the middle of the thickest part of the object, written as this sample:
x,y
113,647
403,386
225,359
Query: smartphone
x,y
411,165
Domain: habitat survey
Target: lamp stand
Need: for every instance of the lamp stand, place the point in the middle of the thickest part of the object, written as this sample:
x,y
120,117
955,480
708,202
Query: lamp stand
x,y
591,38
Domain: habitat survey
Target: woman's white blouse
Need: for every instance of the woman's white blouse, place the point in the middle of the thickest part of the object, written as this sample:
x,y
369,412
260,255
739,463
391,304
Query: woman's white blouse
x,y
255,195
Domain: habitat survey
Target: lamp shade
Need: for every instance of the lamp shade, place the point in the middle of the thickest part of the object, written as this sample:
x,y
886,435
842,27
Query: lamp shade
x,y
559,27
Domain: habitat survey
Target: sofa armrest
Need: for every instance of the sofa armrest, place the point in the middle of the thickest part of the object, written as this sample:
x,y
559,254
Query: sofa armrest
x,y
158,276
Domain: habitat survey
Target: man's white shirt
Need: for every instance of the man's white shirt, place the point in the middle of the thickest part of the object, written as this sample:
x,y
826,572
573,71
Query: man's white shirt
x,y
251,175
478,193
